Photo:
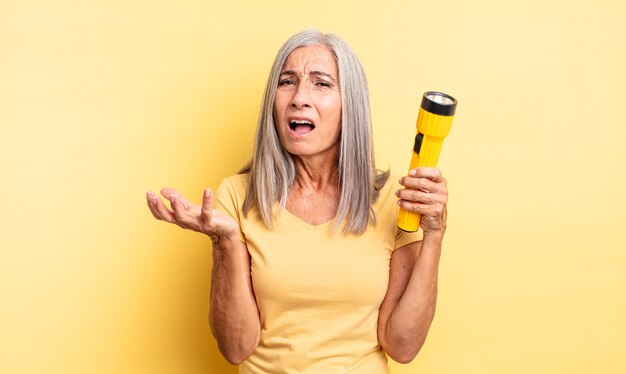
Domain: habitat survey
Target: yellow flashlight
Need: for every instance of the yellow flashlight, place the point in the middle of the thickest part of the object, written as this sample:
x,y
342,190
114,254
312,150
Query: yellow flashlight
x,y
433,125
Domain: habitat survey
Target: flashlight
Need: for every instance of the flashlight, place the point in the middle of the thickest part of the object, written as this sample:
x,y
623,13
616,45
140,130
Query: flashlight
x,y
433,125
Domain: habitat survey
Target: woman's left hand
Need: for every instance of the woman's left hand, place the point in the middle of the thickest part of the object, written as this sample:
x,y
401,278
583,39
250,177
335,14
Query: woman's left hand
x,y
425,193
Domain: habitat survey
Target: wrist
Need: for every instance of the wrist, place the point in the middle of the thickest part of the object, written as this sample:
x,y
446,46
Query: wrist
x,y
223,239
435,235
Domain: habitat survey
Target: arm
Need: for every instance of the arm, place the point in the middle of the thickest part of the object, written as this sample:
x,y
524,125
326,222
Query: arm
x,y
409,305
233,315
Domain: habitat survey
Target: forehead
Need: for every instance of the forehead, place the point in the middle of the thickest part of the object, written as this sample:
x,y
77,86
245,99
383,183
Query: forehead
x,y
311,58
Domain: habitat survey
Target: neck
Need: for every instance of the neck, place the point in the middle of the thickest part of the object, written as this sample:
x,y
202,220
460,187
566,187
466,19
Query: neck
x,y
315,174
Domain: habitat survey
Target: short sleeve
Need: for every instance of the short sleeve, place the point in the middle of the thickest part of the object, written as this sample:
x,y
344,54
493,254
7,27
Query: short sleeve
x,y
229,200
403,238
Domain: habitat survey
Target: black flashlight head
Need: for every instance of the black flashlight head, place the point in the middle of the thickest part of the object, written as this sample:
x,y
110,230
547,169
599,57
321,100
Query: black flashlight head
x,y
439,103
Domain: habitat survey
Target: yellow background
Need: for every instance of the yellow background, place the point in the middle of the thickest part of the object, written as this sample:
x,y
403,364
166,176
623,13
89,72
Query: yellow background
x,y
101,101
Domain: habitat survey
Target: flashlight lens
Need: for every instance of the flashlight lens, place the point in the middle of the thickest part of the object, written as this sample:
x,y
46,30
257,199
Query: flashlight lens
x,y
439,103
440,99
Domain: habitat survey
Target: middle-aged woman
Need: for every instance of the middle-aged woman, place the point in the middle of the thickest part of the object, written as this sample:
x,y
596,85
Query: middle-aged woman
x,y
310,273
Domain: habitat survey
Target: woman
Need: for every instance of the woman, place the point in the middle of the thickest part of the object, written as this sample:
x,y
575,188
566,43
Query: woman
x,y
310,273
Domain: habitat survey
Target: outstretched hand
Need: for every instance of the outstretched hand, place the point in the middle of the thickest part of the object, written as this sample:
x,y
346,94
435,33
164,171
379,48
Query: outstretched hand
x,y
201,218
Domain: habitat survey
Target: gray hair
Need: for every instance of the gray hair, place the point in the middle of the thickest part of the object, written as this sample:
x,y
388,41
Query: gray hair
x,y
272,170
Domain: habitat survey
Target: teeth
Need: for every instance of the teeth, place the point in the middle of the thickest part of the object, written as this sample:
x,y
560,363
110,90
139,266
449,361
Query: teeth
x,y
294,123
301,122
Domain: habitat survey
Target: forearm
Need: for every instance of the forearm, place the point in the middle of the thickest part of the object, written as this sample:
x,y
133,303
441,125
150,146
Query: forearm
x,y
233,316
410,320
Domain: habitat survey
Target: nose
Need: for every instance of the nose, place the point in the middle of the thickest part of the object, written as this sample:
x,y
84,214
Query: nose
x,y
301,98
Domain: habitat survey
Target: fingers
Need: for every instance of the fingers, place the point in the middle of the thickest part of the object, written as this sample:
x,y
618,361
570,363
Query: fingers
x,y
158,208
183,213
167,192
187,214
434,216
151,203
427,210
178,208
207,205
433,174
424,178
181,209
421,196
425,192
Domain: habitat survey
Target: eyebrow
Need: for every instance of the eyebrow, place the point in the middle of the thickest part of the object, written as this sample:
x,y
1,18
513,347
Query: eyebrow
x,y
314,72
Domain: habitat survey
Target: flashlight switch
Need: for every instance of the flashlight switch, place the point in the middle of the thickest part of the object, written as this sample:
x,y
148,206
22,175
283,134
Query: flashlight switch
x,y
418,143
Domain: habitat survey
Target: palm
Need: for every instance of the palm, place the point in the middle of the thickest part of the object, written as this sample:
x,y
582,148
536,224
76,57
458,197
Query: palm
x,y
201,218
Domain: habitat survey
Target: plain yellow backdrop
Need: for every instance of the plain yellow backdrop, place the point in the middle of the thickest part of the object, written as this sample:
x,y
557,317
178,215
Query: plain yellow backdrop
x,y
101,101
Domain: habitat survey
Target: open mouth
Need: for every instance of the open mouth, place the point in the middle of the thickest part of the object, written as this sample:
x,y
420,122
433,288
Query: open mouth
x,y
301,126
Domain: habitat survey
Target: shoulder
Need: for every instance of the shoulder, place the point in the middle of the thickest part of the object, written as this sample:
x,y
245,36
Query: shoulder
x,y
231,194
388,190
386,208
386,201
233,188
237,181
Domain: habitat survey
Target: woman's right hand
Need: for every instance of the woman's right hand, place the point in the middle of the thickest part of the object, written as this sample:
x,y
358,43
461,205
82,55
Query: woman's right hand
x,y
201,218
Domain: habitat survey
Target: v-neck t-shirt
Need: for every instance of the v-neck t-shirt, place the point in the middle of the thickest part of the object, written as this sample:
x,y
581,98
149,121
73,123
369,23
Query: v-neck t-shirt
x,y
318,290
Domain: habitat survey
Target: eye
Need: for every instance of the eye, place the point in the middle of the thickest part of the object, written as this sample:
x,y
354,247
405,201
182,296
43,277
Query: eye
x,y
323,84
286,82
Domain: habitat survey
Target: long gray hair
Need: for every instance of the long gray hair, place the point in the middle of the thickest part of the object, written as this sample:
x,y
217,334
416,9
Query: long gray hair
x,y
271,169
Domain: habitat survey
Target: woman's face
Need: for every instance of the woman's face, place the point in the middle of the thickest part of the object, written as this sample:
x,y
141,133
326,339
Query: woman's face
x,y
307,106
